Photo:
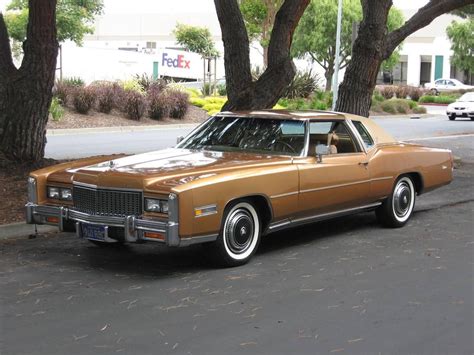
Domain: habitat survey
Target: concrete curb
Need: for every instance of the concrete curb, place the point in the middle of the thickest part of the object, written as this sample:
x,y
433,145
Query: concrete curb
x,y
74,131
16,230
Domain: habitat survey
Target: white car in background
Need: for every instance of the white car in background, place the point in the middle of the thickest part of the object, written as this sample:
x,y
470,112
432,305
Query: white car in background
x,y
446,85
463,107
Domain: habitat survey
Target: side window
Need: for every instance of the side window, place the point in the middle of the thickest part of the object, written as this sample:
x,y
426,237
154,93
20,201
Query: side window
x,y
366,138
449,83
332,133
439,82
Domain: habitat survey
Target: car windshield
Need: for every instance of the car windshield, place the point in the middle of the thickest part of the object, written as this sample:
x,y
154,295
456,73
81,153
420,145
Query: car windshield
x,y
249,134
467,97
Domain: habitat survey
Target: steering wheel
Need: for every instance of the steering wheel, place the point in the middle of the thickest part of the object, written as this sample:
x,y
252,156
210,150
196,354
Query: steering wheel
x,y
284,144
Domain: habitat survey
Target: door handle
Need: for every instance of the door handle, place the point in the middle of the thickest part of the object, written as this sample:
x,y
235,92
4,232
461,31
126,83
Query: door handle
x,y
364,163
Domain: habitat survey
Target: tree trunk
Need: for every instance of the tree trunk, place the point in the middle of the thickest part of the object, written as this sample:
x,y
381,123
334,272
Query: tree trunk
x,y
265,56
26,93
355,92
243,94
328,74
373,45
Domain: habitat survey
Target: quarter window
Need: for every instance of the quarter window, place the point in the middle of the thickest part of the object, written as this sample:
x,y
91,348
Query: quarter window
x,y
335,134
366,138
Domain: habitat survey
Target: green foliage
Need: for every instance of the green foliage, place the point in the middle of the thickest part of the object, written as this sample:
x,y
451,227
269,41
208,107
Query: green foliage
x,y
193,92
419,109
441,99
195,39
259,16
461,35
132,85
302,85
196,101
465,12
207,89
222,89
74,19
315,35
74,81
388,106
211,104
56,110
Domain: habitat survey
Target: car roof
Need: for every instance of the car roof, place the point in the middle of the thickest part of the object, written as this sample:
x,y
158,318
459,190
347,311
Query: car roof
x,y
288,114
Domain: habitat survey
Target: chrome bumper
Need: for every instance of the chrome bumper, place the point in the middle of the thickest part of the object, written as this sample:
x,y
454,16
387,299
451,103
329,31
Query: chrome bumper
x,y
134,228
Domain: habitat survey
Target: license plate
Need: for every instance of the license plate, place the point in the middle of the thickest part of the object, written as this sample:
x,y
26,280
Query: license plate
x,y
93,232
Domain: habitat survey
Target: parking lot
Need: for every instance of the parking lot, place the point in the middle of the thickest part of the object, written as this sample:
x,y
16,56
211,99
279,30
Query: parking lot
x,y
341,286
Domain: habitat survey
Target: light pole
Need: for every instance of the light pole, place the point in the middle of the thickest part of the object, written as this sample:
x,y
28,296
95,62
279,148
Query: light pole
x,y
335,84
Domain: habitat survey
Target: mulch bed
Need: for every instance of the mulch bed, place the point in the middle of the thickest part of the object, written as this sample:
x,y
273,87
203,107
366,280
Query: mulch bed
x,y
13,188
72,119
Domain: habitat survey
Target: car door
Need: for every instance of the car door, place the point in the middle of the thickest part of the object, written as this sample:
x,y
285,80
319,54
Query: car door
x,y
341,180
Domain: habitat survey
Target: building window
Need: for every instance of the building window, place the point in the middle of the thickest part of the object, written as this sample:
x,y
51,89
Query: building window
x,y
151,45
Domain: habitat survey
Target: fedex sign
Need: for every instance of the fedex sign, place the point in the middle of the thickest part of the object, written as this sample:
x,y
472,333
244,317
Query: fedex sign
x,y
176,62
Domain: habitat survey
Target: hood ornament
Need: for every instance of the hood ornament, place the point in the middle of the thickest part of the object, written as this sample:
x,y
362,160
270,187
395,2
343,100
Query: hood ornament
x,y
111,164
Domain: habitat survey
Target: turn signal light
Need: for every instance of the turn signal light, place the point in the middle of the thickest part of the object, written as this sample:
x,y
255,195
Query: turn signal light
x,y
52,220
153,235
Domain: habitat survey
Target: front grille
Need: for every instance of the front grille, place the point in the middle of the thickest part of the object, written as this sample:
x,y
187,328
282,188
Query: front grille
x,y
107,202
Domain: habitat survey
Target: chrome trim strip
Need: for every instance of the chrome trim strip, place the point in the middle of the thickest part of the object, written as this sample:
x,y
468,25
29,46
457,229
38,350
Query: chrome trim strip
x,y
320,217
172,235
199,239
32,190
335,186
95,187
284,195
382,178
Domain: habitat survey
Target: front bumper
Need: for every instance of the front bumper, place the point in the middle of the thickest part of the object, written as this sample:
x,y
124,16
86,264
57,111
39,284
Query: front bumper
x,y
134,228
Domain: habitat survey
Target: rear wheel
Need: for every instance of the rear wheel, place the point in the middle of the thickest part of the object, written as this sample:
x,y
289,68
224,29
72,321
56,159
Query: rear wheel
x,y
397,209
434,92
452,117
239,236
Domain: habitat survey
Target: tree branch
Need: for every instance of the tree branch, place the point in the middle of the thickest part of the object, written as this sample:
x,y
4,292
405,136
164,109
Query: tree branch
x,y
422,18
6,60
324,66
236,47
286,20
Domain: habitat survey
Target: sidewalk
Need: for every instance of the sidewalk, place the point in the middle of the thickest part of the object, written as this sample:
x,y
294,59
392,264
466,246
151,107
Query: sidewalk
x,y
74,131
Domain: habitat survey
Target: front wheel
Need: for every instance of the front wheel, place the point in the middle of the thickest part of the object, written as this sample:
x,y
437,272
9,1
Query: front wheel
x,y
397,209
452,117
239,236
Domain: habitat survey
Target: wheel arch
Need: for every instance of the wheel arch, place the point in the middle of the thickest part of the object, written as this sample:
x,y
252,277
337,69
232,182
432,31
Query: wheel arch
x,y
261,203
417,181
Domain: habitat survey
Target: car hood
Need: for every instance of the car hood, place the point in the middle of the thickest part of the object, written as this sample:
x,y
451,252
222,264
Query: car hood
x,y
168,168
466,104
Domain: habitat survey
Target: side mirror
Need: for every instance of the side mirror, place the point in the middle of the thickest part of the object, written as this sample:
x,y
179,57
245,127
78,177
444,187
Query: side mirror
x,y
321,149
179,139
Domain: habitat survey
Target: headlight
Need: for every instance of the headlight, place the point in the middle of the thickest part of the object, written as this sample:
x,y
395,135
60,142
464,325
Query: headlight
x,y
66,194
156,205
59,193
53,192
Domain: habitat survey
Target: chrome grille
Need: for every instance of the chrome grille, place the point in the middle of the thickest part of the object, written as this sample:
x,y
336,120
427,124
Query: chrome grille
x,y
107,202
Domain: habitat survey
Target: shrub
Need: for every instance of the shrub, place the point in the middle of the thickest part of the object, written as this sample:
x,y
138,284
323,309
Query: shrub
x,y
387,91
222,89
415,93
158,105
74,81
427,99
412,104
193,93
401,106
207,89
302,85
178,103
105,94
56,110
419,109
119,96
132,85
388,106
83,99
196,101
63,91
318,105
377,97
402,91
134,105
212,108
441,99
283,102
145,81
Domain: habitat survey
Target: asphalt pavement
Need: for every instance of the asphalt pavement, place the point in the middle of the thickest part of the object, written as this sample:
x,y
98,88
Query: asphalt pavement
x,y
344,286
73,144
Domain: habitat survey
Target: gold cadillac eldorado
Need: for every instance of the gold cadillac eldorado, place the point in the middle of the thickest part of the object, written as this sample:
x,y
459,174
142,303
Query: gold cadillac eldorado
x,y
236,177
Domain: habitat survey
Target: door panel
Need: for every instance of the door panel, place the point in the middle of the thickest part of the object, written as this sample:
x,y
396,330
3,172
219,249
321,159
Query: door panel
x,y
340,181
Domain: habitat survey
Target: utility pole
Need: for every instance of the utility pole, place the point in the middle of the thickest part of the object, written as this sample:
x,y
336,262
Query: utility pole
x,y
335,84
